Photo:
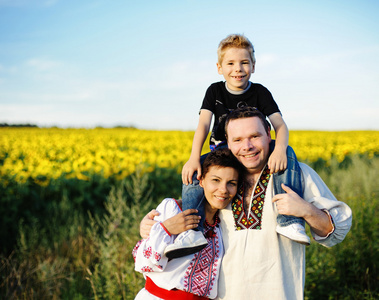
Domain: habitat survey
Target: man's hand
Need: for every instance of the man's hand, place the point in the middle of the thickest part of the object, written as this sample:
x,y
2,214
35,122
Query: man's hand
x,y
290,203
147,222
182,222
277,161
175,225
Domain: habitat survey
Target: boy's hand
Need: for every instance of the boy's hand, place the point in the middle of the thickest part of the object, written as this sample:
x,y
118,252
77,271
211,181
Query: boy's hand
x,y
147,222
277,161
182,222
189,169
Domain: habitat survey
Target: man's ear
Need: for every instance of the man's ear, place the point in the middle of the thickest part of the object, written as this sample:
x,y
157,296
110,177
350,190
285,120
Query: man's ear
x,y
201,182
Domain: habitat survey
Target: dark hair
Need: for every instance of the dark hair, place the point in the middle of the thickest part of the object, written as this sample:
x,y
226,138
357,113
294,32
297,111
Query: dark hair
x,y
222,158
247,112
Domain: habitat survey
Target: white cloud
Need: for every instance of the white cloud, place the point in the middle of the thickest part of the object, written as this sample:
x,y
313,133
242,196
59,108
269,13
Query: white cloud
x,y
43,64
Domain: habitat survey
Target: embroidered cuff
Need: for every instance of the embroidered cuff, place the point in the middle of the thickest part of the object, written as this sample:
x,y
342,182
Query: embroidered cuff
x,y
320,238
165,229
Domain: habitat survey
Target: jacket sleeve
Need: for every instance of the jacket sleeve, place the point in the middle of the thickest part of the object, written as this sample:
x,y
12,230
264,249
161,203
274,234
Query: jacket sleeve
x,y
148,254
317,193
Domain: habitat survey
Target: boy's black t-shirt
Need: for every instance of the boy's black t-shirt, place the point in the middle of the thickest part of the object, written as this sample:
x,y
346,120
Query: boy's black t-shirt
x,y
220,102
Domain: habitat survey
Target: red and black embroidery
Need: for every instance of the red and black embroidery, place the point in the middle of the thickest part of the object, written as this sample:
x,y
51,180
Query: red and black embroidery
x,y
254,218
146,269
135,249
147,252
201,273
157,256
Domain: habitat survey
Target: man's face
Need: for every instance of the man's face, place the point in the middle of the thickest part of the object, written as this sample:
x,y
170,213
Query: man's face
x,y
249,142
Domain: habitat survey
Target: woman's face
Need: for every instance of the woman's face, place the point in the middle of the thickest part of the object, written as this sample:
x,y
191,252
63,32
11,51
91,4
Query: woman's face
x,y
220,186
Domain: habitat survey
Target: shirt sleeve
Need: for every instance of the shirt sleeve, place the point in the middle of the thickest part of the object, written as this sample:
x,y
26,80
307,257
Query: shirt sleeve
x,y
266,102
209,99
317,193
149,253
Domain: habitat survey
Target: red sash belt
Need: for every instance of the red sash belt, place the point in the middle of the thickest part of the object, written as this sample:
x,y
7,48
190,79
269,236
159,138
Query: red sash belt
x,y
152,288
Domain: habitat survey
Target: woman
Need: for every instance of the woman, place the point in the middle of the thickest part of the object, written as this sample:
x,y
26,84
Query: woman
x,y
193,276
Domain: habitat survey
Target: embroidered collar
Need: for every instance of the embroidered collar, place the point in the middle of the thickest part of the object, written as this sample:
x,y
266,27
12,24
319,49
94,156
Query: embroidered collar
x,y
253,220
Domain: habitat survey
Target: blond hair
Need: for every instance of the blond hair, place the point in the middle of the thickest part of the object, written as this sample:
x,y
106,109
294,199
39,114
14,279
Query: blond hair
x,y
235,41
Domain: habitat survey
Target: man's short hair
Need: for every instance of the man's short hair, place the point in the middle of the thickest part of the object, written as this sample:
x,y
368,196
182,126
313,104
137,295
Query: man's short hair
x,y
247,112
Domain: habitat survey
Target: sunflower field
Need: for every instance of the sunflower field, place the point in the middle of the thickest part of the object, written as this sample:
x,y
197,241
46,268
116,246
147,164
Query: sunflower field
x,y
45,154
71,201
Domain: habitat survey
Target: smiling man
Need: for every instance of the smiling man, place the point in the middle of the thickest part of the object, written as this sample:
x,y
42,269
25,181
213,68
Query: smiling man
x,y
259,263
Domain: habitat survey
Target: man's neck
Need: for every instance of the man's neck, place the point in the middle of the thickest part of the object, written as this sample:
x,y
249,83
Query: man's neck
x,y
251,179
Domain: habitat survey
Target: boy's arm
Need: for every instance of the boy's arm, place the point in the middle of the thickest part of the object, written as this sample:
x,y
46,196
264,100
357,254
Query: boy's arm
x,y
278,158
201,133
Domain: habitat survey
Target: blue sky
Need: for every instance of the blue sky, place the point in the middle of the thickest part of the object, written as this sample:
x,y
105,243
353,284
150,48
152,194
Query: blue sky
x,y
148,63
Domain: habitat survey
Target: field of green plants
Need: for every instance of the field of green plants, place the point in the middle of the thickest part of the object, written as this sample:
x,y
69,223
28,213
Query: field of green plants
x,y
71,202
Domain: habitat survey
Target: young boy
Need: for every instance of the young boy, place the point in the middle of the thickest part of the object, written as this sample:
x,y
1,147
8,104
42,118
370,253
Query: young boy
x,y
236,62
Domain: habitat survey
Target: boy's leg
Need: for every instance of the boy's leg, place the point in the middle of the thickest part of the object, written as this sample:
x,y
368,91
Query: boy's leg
x,y
190,241
290,226
192,197
291,177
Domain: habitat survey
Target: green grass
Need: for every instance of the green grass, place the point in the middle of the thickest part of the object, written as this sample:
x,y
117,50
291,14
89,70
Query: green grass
x,y
349,270
72,249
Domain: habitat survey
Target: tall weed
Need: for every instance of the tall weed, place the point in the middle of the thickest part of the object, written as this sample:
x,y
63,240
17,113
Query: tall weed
x,y
113,237
349,270
46,263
